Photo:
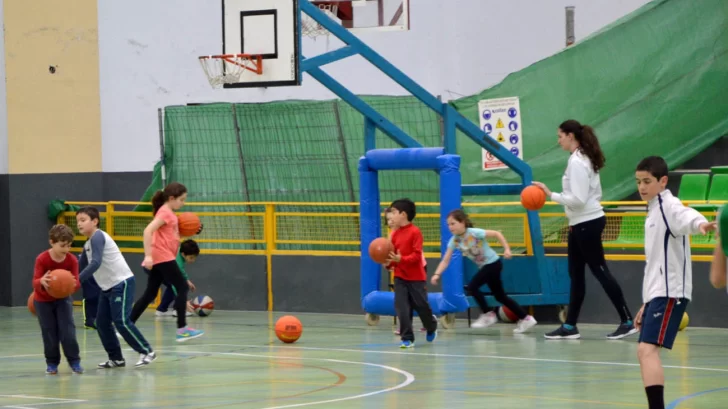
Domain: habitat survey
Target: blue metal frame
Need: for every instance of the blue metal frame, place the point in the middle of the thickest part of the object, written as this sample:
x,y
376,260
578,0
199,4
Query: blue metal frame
x,y
451,118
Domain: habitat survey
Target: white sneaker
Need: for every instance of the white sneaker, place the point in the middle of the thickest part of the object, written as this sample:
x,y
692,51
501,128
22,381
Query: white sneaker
x,y
525,324
146,359
485,320
167,313
187,314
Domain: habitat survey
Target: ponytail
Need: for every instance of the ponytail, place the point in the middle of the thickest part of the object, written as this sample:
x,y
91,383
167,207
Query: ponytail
x,y
588,142
171,191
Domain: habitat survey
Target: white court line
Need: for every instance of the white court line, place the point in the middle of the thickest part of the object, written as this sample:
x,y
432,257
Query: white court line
x,y
409,377
55,401
510,358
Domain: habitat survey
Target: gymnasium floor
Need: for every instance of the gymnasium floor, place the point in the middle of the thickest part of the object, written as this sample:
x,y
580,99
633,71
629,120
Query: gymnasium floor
x,y
341,363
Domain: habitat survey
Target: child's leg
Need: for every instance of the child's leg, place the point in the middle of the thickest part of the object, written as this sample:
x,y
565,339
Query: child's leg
x,y
91,293
105,327
418,298
402,306
49,331
168,298
478,280
154,280
172,274
493,279
67,331
660,323
120,313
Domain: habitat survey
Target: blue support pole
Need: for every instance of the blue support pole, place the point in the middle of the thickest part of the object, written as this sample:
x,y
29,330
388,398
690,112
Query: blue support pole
x,y
370,135
370,227
492,190
448,119
328,58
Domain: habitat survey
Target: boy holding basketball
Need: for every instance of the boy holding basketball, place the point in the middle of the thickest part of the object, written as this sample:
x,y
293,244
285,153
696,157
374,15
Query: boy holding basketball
x,y
410,291
102,260
668,282
55,316
188,252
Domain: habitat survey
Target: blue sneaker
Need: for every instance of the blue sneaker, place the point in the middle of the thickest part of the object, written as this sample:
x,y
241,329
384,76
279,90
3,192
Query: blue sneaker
x,y
51,369
76,368
186,334
406,344
431,336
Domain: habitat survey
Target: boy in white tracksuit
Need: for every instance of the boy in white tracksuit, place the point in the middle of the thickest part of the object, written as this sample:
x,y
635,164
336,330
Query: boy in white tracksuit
x,y
668,282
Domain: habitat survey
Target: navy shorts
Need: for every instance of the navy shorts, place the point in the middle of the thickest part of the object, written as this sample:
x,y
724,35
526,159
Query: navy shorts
x,y
661,321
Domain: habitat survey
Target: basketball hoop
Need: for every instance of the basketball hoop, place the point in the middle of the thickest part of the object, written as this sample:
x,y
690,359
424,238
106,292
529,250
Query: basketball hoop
x,y
229,68
311,28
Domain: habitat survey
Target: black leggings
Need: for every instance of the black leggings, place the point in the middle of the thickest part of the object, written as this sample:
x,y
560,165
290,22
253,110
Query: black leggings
x,y
169,272
585,248
491,274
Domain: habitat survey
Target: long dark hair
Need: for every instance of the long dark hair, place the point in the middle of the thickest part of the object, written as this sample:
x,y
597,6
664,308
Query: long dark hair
x,y
461,217
172,190
588,142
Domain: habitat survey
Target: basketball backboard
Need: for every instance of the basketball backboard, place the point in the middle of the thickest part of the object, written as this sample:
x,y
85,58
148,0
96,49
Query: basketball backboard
x,y
267,32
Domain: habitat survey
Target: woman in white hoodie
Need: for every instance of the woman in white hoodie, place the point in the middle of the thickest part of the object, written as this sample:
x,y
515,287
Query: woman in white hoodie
x,y
581,197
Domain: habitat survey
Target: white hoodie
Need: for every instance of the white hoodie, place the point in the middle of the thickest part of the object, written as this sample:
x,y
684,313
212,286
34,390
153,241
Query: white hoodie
x,y
582,190
669,270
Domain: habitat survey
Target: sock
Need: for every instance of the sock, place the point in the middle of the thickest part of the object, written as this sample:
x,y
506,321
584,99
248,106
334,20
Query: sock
x,y
569,327
655,396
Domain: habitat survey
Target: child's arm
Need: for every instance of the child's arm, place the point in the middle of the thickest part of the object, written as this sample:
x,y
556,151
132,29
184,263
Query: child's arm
x,y
684,220
148,232
39,272
718,267
443,265
502,240
98,242
74,270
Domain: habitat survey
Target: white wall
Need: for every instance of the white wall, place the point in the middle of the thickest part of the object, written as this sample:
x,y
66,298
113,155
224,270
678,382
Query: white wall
x,y
148,58
3,102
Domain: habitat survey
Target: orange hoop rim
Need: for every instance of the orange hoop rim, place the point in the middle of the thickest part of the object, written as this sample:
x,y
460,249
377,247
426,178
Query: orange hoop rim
x,y
256,61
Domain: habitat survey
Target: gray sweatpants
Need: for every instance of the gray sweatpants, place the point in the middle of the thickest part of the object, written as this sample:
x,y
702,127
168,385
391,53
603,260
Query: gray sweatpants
x,y
408,296
57,327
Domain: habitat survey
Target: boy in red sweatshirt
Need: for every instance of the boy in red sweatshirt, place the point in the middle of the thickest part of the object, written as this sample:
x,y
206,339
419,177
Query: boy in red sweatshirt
x,y
55,316
410,279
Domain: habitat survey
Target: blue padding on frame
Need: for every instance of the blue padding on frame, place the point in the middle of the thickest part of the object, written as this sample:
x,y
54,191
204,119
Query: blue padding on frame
x,y
407,158
370,228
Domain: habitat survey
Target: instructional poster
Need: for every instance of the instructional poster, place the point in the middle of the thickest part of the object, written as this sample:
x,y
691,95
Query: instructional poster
x,y
501,119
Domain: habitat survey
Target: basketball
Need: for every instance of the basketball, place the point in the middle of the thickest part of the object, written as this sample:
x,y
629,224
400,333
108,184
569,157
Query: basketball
x,y
379,250
62,284
203,305
684,322
288,329
189,224
533,197
506,315
31,306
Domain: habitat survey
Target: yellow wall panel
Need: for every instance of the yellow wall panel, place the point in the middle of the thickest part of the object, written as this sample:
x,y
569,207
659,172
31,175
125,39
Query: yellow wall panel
x,y
54,120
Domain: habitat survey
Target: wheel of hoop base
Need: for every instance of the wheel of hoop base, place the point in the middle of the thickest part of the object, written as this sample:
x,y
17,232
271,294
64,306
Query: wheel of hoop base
x,y
372,319
563,312
448,321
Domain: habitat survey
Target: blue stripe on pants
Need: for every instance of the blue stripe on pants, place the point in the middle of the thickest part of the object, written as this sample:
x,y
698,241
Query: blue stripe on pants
x,y
115,307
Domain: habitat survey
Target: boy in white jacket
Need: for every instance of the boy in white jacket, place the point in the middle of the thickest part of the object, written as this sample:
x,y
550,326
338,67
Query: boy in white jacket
x,y
668,282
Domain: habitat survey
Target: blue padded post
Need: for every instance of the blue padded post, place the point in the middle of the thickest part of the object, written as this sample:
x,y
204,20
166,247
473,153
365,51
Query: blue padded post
x,y
370,227
453,299
407,158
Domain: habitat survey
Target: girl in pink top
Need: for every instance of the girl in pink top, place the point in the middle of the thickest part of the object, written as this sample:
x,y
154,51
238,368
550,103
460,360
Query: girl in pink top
x,y
161,243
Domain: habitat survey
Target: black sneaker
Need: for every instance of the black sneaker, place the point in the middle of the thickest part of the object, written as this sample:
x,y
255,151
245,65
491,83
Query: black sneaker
x,y
563,333
624,330
112,364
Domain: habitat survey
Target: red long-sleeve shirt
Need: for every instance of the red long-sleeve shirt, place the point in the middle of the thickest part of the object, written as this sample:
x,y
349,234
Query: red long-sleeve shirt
x,y
407,241
43,264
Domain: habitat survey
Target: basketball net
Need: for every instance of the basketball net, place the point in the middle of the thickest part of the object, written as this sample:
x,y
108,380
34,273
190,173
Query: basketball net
x,y
311,28
229,68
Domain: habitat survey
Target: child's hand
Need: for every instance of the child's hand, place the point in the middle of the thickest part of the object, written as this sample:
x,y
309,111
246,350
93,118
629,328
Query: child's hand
x,y
45,281
148,263
507,254
200,229
191,285
394,258
706,227
435,279
638,319
190,308
544,188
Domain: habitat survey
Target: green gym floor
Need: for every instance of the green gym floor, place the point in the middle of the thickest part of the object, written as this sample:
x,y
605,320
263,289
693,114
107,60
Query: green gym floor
x,y
340,362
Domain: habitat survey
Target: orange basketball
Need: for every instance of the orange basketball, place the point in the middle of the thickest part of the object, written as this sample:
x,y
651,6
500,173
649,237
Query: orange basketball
x,y
189,224
379,249
288,329
31,306
62,284
533,197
